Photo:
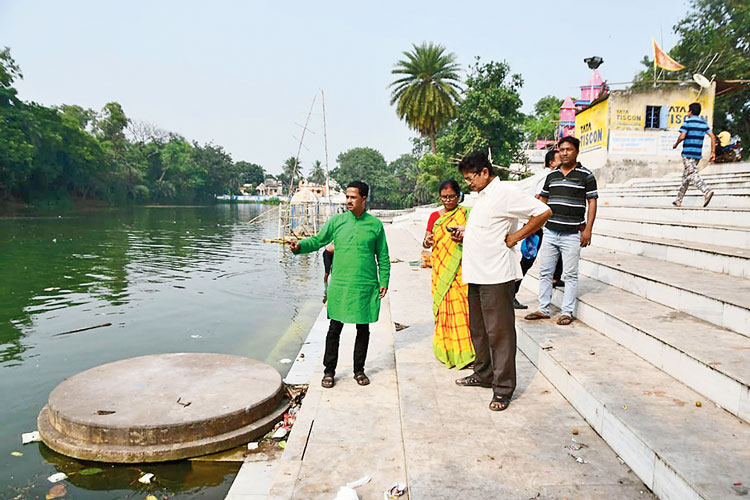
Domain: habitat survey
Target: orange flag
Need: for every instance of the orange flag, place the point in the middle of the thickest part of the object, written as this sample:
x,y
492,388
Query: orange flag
x,y
663,60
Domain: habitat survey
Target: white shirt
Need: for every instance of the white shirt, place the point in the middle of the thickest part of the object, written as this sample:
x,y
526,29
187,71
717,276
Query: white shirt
x,y
487,260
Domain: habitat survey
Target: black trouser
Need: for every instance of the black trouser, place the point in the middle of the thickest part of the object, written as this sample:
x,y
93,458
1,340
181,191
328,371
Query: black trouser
x,y
493,332
331,356
527,263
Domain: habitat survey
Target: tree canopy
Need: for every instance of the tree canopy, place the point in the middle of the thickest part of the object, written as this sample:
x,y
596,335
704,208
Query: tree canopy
x,y
542,124
69,152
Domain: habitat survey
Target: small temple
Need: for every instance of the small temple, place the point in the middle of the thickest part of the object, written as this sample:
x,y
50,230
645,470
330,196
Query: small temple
x,y
589,93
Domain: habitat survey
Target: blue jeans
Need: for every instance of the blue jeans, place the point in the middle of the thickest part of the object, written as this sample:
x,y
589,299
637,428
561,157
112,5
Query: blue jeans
x,y
554,245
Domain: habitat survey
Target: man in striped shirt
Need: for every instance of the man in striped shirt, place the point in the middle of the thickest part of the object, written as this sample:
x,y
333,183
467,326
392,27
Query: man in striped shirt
x,y
568,191
693,129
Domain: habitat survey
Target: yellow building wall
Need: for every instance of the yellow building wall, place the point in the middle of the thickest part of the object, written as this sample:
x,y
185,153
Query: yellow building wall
x,y
592,127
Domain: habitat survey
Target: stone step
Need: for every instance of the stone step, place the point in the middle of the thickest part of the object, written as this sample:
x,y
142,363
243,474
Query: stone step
x,y
734,236
676,177
720,299
727,168
663,190
716,258
693,198
687,215
706,358
679,450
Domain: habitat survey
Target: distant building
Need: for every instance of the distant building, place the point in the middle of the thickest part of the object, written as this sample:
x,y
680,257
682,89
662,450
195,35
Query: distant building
x,y
630,133
270,187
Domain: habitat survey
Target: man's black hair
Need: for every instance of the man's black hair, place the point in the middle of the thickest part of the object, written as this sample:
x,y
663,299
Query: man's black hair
x,y
549,157
572,140
695,108
476,162
362,187
453,184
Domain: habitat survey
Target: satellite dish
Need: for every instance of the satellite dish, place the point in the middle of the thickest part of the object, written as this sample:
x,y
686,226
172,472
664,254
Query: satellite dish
x,y
701,80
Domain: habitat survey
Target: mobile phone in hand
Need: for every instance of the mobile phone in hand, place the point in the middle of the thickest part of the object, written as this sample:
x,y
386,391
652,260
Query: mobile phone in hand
x,y
451,229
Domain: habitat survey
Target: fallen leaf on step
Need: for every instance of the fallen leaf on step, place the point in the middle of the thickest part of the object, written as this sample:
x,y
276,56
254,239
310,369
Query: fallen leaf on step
x,y
57,491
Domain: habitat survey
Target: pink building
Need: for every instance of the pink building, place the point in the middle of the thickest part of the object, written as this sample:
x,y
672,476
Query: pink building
x,y
590,91
567,118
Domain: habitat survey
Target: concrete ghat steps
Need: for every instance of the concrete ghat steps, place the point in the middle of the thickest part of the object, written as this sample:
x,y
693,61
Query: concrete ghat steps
x,y
719,259
723,300
676,178
679,450
706,358
736,236
686,215
693,198
666,191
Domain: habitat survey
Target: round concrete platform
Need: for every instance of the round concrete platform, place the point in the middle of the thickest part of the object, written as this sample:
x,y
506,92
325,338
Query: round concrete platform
x,y
162,407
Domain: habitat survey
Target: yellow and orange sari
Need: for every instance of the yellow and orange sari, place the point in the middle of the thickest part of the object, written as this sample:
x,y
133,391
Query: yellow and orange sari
x,y
450,306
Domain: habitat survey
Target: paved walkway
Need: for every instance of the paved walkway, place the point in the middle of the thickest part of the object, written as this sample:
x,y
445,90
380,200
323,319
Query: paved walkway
x,y
415,426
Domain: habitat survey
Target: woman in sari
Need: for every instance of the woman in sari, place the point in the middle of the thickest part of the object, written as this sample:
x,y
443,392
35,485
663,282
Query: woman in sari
x,y
450,306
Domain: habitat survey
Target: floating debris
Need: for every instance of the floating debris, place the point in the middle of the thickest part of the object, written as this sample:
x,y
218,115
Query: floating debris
x,y
280,433
285,361
16,453
146,478
51,288
90,471
56,478
30,437
252,446
196,337
57,491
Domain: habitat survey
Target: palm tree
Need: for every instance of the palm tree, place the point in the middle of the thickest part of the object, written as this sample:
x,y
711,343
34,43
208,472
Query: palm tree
x,y
317,176
426,94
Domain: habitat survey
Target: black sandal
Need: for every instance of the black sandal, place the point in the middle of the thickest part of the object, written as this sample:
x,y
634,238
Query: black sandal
x,y
471,381
361,379
499,403
328,381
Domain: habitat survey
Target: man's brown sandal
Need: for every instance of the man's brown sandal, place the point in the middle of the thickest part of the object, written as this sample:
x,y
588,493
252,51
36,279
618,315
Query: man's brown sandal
x,y
564,320
499,403
361,379
536,315
471,381
328,381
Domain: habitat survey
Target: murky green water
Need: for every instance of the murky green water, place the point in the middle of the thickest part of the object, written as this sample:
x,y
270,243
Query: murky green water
x,y
168,280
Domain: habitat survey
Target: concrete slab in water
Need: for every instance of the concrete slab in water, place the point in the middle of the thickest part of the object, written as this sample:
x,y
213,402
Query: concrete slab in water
x,y
162,407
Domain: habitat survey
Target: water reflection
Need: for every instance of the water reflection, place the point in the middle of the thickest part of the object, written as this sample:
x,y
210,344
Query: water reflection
x,y
167,279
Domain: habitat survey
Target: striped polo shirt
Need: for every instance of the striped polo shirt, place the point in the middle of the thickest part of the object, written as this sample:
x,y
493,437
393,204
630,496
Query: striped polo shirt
x,y
694,128
566,196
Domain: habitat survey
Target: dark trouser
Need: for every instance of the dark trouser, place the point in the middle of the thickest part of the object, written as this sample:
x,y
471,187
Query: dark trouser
x,y
493,333
527,263
331,356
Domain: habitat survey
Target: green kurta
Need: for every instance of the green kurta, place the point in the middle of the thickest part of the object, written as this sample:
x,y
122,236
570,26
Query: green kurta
x,y
361,265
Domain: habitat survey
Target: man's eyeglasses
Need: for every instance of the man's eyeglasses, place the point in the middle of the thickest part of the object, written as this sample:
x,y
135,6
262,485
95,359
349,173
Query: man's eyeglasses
x,y
449,197
468,179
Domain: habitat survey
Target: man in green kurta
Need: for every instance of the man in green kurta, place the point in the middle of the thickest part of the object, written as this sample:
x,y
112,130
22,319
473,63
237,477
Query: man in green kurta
x,y
359,279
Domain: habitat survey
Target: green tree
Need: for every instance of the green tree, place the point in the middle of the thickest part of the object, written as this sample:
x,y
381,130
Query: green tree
x,y
221,175
711,28
489,116
427,89
317,175
543,123
362,164
111,124
251,173
433,169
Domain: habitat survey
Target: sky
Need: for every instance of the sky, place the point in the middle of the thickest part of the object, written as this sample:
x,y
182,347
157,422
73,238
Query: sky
x,y
243,74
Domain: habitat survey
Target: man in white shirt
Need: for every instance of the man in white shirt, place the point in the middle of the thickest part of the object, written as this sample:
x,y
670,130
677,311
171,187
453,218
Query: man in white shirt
x,y
491,266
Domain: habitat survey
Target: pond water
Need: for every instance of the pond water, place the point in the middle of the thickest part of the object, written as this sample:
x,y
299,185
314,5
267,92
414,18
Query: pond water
x,y
168,279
